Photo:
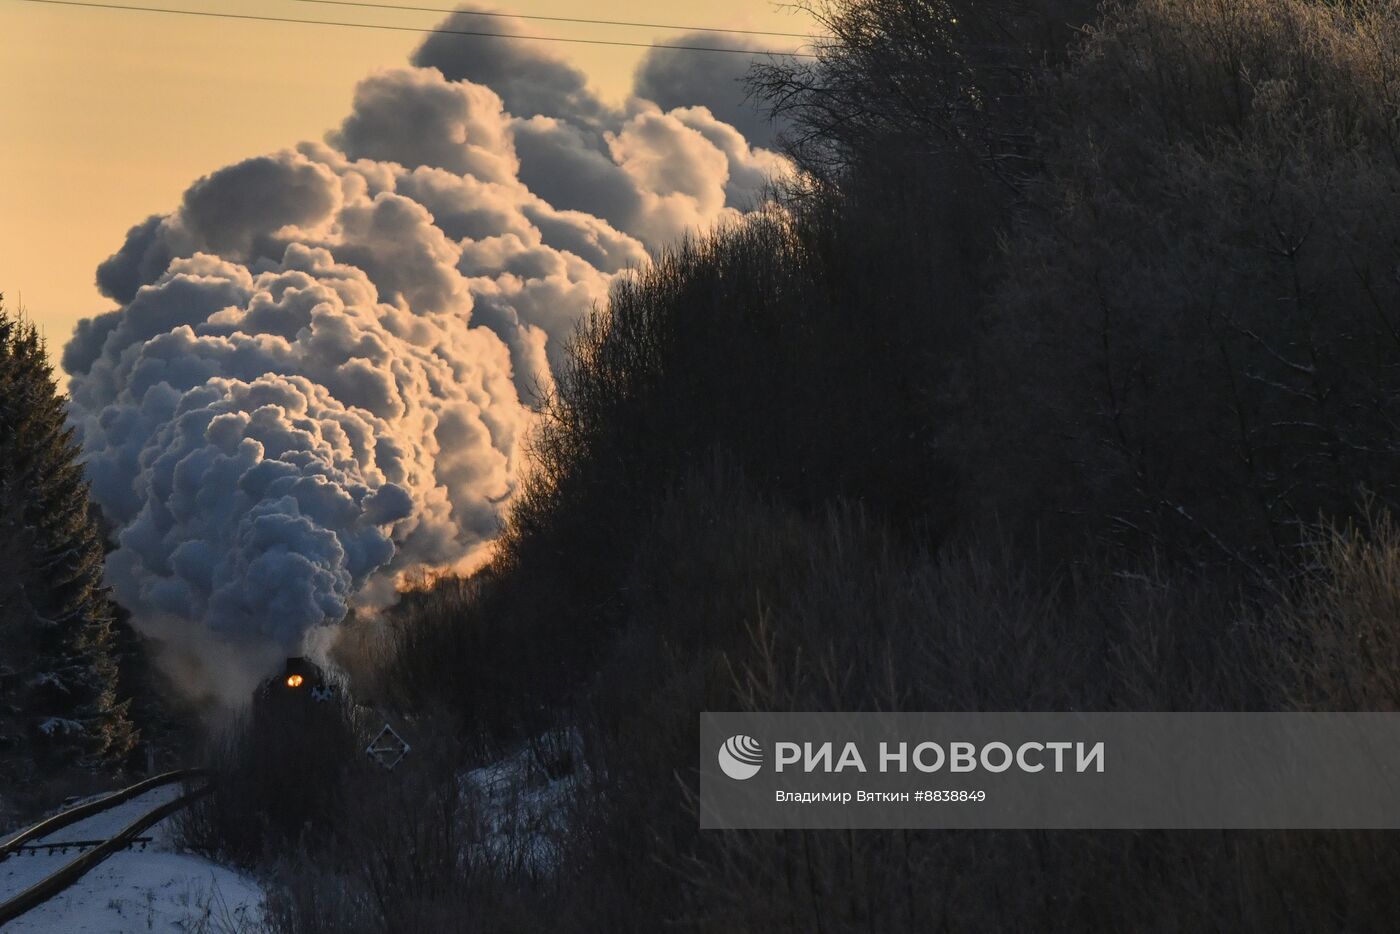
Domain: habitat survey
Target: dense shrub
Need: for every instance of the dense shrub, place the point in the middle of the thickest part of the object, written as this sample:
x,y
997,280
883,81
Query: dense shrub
x,y
736,602
280,783
416,849
1198,316
1060,384
783,346
933,85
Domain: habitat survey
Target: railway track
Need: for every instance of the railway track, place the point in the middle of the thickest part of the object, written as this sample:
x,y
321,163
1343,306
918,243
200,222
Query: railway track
x,y
96,830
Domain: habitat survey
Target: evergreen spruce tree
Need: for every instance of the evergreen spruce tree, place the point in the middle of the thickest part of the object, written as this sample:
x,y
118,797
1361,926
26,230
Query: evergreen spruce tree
x,y
59,701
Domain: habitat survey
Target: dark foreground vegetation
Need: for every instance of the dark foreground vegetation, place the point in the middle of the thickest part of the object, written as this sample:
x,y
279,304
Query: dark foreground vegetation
x,y
68,663
1067,374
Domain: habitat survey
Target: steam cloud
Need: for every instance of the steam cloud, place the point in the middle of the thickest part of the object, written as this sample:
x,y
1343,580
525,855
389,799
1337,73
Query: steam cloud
x,y
322,368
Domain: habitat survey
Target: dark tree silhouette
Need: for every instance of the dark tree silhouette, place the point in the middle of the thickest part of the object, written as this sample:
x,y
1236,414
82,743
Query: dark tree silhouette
x,y
59,701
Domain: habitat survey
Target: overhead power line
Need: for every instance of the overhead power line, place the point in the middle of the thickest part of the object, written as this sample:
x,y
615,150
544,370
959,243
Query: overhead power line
x,y
561,19
419,29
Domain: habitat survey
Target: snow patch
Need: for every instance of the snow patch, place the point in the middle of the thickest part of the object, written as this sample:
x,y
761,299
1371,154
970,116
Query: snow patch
x,y
61,726
156,889
522,800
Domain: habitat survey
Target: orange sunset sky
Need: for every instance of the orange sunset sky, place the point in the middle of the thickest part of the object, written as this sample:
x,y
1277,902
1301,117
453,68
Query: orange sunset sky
x,y
106,116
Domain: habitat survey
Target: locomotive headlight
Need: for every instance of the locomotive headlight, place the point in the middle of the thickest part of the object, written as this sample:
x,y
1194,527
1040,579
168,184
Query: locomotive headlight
x,y
294,681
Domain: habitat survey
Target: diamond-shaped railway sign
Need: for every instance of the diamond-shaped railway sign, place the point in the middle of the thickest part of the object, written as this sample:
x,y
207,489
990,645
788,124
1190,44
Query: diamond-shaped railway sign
x,y
387,748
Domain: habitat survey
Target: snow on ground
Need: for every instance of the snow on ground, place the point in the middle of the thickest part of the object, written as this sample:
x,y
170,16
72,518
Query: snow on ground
x,y
158,889
522,800
151,891
521,803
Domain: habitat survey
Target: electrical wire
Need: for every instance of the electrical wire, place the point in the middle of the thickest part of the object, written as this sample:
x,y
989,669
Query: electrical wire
x,y
559,19
251,17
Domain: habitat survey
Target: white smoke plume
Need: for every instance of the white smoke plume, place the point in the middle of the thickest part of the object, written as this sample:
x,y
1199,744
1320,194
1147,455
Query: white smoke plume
x,y
322,368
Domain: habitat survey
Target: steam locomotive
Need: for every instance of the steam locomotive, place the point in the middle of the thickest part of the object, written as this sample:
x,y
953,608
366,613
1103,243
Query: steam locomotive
x,y
302,692
300,716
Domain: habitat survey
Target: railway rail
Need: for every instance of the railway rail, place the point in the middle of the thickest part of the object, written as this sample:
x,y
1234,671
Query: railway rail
x,y
41,836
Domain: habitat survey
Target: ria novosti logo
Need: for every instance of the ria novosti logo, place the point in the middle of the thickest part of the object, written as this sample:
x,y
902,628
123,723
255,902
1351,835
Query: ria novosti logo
x,y
741,757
